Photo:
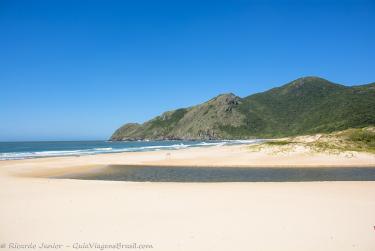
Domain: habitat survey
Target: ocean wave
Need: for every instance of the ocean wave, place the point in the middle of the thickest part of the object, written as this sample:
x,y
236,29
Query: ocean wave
x,y
28,155
129,148
103,149
211,144
166,146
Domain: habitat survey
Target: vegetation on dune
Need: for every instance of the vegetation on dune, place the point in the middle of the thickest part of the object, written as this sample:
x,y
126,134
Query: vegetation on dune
x,y
279,142
358,140
363,137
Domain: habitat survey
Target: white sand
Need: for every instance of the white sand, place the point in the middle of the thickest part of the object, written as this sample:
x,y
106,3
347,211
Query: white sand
x,y
185,216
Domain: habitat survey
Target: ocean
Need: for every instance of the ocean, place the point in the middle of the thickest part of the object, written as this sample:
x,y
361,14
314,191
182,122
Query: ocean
x,y
39,149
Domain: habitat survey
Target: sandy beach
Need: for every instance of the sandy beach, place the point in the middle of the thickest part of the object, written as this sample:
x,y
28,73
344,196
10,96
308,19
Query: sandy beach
x,y
187,216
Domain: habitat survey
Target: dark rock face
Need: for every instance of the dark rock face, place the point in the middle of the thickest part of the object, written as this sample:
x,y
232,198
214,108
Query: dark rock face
x,y
305,105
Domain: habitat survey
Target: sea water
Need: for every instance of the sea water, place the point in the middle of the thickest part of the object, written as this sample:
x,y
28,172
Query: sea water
x,y
24,150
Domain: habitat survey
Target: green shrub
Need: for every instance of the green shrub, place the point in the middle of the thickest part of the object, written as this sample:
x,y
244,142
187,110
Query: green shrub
x,y
279,143
365,137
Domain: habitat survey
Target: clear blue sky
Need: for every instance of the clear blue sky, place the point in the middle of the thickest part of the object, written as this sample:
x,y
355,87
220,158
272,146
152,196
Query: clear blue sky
x,y
80,69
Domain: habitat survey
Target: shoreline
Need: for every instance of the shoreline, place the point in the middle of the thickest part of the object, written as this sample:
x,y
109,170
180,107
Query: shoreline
x,y
187,216
240,156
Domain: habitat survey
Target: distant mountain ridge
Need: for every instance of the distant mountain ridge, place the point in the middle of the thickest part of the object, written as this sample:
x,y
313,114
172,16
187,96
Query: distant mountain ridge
x,y
305,105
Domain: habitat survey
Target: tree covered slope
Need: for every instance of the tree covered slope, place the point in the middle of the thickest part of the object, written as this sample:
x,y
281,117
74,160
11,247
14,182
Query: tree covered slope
x,y
306,105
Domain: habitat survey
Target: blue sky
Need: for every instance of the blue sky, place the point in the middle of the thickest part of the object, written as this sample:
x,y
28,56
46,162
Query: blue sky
x,y
73,70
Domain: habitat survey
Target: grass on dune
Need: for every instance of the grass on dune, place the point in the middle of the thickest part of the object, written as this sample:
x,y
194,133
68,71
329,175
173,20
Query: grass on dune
x,y
279,142
358,140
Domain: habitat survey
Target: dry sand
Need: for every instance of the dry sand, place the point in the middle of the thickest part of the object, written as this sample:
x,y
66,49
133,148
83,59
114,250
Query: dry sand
x,y
188,216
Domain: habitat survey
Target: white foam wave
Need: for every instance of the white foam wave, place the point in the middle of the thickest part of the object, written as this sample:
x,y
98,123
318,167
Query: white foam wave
x,y
39,154
103,149
211,144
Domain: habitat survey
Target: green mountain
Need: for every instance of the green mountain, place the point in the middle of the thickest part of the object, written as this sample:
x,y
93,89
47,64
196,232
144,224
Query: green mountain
x,y
303,106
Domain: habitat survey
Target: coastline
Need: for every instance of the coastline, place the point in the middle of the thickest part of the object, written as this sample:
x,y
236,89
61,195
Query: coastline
x,y
212,156
188,216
